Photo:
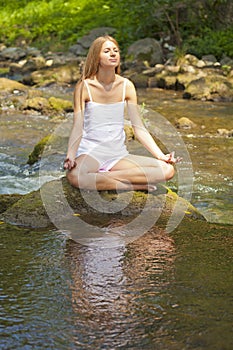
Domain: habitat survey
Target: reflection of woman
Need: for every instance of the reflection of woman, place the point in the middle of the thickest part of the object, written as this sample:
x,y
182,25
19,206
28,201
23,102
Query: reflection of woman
x,y
119,294
97,157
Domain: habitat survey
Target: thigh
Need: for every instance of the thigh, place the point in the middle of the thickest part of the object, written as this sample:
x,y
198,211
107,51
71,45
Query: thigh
x,y
132,161
86,164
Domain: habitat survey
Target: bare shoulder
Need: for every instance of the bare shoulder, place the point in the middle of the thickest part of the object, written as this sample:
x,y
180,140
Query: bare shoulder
x,y
80,91
130,93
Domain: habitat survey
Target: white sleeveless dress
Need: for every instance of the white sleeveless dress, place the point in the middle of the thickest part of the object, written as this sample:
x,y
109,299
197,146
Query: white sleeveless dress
x,y
103,131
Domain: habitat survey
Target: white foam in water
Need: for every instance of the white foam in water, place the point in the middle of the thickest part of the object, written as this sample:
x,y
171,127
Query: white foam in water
x,y
22,185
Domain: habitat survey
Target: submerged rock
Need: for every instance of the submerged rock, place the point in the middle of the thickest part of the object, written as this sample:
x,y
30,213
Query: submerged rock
x,y
59,201
185,123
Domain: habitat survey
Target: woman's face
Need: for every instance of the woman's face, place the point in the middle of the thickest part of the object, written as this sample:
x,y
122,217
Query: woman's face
x,y
109,55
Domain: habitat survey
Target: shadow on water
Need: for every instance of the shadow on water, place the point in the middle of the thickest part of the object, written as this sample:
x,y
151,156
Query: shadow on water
x,y
163,291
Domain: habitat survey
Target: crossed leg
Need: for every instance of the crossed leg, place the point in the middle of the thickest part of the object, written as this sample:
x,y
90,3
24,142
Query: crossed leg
x,y
130,173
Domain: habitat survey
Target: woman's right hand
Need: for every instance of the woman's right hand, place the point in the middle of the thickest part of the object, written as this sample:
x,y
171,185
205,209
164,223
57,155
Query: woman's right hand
x,y
170,158
69,163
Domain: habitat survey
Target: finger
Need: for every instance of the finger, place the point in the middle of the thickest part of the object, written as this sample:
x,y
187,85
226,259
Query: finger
x,y
172,155
178,159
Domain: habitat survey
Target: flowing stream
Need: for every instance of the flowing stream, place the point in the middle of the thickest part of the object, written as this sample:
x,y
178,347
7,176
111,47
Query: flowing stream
x,y
163,291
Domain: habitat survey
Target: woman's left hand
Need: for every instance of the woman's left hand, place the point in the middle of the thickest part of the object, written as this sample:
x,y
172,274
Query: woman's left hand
x,y
171,159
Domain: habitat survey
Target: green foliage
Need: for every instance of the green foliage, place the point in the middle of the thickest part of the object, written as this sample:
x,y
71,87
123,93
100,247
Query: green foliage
x,y
217,43
200,26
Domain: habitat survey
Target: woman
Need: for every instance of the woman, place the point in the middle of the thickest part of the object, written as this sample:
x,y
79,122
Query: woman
x,y
97,157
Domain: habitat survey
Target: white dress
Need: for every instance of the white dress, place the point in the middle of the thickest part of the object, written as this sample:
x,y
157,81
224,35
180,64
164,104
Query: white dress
x,y
103,131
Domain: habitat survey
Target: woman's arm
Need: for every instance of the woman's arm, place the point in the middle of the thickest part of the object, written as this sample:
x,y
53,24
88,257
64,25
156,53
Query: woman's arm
x,y
141,133
77,128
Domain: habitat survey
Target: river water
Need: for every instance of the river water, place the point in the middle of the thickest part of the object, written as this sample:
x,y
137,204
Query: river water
x,y
163,291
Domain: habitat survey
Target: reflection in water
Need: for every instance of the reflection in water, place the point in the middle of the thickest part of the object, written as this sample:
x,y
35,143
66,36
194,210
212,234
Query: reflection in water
x,y
155,293
117,293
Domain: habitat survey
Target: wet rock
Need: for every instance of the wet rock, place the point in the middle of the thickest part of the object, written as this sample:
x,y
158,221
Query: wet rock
x,y
33,51
187,60
10,86
209,60
185,79
210,88
139,80
225,132
47,106
67,74
185,123
12,53
40,104
32,212
7,200
60,105
172,69
147,49
226,61
167,81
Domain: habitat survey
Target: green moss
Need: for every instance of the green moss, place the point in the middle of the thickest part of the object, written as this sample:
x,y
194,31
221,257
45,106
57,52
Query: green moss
x,y
4,70
37,103
51,142
30,211
60,105
7,200
38,150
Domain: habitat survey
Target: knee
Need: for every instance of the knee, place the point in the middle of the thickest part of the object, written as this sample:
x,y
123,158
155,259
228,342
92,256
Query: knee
x,y
169,172
72,178
78,179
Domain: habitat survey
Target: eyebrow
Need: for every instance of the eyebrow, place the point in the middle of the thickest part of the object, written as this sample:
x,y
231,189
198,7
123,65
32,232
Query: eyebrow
x,y
109,48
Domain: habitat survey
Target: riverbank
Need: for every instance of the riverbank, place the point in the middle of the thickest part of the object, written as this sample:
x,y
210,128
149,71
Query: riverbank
x,y
144,63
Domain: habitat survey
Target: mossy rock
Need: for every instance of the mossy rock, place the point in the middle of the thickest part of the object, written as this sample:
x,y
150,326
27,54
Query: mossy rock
x,y
51,142
7,200
47,106
38,103
10,86
67,74
58,201
28,211
60,105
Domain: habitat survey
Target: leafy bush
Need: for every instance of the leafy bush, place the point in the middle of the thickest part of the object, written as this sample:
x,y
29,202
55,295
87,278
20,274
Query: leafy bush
x,y
211,42
56,24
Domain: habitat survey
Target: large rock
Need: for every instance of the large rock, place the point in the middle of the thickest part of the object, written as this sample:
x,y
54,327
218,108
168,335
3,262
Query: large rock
x,y
13,53
66,74
53,106
10,86
61,201
83,44
210,88
147,49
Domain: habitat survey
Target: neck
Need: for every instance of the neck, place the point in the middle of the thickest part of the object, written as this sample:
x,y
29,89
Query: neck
x,y
106,77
